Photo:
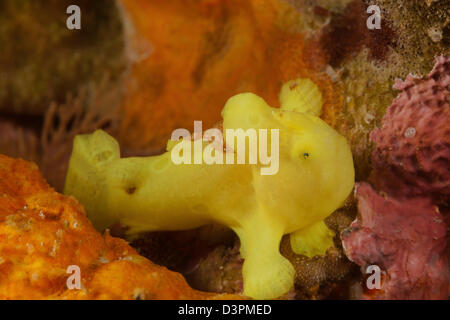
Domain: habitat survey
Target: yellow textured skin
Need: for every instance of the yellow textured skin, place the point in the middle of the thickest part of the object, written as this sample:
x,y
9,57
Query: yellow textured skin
x,y
315,177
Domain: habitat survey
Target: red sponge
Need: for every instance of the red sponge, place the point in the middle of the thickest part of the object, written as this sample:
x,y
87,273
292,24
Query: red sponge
x,y
412,155
406,238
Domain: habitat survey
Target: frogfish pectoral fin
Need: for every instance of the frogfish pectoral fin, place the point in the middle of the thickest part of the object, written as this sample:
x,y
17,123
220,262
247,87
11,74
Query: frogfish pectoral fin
x,y
312,241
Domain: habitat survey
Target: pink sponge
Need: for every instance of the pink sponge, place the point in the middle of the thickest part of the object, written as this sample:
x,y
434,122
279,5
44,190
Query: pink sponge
x,y
406,238
401,228
412,155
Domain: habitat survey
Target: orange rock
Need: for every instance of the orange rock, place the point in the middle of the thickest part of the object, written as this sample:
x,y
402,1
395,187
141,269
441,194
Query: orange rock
x,y
43,232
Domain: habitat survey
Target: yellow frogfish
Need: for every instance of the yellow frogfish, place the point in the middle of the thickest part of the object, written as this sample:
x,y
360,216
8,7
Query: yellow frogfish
x,y
315,175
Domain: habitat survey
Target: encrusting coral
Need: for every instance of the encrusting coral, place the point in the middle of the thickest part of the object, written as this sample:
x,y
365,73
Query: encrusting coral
x,y
315,177
43,233
401,227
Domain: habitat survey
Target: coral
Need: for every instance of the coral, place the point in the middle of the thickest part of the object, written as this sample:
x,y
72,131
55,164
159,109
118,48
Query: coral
x,y
313,179
412,154
42,233
19,140
48,140
406,238
93,107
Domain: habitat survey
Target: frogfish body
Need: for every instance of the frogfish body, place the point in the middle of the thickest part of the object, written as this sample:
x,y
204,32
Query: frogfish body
x,y
314,177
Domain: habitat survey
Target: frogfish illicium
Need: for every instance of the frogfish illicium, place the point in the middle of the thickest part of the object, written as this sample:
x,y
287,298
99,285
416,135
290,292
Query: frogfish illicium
x,y
315,176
